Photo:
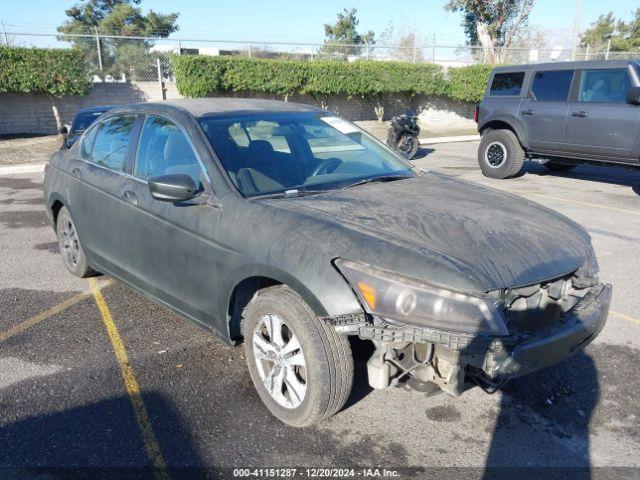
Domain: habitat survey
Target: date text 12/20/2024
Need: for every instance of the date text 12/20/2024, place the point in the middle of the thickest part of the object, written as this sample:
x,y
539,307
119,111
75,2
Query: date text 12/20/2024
x,y
315,473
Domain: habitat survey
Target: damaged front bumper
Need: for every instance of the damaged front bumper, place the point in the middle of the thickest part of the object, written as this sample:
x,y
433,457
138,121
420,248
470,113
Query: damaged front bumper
x,y
451,359
576,329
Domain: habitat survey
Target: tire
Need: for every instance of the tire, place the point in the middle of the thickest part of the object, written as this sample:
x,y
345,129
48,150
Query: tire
x,y
320,379
71,249
409,146
500,154
559,167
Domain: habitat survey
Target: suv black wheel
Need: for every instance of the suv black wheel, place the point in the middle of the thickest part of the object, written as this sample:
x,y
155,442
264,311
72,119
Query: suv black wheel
x,y
70,247
301,367
500,154
559,167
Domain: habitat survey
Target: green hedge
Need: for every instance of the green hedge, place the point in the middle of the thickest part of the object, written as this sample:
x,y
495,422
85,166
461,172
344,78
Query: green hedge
x,y
37,70
199,76
467,84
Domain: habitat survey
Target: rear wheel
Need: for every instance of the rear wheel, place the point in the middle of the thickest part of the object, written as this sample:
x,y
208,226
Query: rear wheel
x,y
301,367
500,154
70,247
559,167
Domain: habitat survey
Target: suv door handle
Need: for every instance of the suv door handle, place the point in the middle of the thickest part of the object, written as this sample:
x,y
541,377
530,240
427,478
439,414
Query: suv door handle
x,y
130,197
528,112
581,114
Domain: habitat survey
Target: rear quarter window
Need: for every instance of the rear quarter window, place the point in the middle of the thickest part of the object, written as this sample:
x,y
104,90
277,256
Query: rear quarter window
x,y
507,84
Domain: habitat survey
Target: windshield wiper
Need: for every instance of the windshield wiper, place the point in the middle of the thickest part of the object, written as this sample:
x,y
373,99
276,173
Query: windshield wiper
x,y
293,193
380,178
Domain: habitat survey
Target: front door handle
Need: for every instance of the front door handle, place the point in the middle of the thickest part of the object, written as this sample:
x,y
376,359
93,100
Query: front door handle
x,y
528,112
580,114
130,197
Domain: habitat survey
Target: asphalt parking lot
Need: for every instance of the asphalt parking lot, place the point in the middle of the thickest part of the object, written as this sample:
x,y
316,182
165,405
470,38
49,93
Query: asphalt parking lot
x,y
86,383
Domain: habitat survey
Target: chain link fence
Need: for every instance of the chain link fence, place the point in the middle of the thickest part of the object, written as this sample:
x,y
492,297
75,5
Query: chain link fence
x,y
115,58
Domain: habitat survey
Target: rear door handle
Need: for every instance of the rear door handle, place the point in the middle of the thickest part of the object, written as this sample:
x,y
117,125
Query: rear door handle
x,y
528,112
130,197
76,172
581,114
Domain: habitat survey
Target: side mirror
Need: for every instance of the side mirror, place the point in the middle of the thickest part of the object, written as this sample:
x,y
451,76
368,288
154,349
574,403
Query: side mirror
x,y
177,187
633,95
64,131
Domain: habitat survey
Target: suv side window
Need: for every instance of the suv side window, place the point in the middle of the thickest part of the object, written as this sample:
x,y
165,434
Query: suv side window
x,y
604,85
552,86
509,83
163,149
107,143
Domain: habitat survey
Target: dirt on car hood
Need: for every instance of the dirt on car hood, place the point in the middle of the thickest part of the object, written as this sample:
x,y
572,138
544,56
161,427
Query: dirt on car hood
x,y
495,239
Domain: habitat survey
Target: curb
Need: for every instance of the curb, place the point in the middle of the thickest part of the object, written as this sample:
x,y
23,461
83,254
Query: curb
x,y
14,169
452,139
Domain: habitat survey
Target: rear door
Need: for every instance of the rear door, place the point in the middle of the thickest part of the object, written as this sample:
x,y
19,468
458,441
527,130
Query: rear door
x,y
544,111
96,205
600,122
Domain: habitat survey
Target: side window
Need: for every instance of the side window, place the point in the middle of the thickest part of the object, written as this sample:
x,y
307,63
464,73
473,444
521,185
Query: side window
x,y
507,83
604,85
87,143
107,144
552,86
163,150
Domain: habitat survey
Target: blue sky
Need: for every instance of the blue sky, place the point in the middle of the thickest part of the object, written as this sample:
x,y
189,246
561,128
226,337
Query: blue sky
x,y
289,20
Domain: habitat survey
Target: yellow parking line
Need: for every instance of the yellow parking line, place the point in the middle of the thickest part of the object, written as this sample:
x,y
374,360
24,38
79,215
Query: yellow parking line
x,y
576,202
624,317
131,385
48,313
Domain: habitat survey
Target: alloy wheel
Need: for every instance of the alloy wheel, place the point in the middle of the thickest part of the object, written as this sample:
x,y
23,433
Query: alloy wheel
x,y
280,361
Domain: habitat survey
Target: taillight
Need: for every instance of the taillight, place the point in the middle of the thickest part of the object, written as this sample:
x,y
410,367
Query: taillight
x,y
476,112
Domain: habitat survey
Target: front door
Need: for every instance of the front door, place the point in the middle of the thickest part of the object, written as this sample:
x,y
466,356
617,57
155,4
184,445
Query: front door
x,y
175,254
600,123
543,113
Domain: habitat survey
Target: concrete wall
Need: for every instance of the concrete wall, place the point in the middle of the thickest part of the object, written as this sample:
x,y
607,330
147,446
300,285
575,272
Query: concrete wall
x,y
33,114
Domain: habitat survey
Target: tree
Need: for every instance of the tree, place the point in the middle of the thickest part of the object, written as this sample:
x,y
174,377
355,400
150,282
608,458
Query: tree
x,y
344,32
624,36
492,23
122,18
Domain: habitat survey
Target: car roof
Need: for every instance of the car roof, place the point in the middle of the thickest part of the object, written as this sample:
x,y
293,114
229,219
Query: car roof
x,y
568,65
205,107
97,108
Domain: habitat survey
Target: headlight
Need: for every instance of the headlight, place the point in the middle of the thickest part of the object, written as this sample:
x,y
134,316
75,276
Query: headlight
x,y
397,298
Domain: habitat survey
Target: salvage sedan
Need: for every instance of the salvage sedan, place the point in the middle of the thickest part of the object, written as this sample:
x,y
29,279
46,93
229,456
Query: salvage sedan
x,y
289,228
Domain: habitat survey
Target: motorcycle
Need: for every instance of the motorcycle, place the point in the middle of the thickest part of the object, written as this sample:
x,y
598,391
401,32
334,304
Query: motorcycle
x,y
403,134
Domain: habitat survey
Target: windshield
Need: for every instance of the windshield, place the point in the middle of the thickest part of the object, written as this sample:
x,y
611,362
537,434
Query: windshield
x,y
276,152
83,120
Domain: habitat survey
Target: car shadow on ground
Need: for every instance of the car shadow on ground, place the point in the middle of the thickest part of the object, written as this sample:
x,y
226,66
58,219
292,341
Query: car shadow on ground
x,y
560,401
627,177
423,152
98,440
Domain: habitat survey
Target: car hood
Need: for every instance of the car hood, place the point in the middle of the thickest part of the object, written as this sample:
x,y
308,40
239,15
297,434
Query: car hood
x,y
481,239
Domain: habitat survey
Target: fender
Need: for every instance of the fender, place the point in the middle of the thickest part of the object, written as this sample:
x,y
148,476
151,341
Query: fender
x,y
345,301
511,121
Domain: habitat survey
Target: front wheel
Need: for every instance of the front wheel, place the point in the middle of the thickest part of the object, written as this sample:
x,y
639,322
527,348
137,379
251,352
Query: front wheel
x,y
500,154
301,367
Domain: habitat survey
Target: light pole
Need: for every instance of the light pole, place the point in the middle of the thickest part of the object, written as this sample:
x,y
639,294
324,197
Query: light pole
x,y
576,30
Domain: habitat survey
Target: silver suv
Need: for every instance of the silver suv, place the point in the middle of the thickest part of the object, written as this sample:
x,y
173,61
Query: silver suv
x,y
563,114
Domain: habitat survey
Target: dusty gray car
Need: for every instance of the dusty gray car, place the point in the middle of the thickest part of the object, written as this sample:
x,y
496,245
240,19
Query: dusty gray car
x,y
288,227
561,114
